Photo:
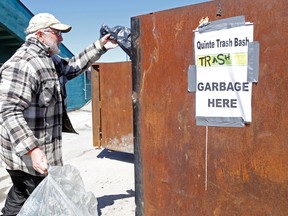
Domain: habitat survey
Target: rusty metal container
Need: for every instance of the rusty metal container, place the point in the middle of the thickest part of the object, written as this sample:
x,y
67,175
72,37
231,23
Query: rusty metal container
x,y
112,106
243,171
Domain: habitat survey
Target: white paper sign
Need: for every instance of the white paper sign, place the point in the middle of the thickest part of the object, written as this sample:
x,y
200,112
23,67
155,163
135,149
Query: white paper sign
x,y
221,60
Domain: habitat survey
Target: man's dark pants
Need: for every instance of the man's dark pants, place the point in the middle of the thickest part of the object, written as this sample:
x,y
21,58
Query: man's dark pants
x,y
23,186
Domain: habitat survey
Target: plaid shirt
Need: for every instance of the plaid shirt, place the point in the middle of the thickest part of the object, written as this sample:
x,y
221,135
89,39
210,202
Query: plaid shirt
x,y
31,102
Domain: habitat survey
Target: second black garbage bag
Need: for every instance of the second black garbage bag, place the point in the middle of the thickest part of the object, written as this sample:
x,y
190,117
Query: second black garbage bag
x,y
121,34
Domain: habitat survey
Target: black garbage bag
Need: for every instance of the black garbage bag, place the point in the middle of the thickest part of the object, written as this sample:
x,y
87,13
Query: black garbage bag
x,y
120,34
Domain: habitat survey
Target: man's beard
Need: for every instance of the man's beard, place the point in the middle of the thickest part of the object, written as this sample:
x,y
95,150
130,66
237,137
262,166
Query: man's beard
x,y
54,48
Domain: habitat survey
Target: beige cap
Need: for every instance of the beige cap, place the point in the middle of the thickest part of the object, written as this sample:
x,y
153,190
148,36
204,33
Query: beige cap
x,y
46,20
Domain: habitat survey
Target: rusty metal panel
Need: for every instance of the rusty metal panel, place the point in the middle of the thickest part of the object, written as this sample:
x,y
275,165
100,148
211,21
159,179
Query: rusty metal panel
x,y
95,97
113,124
245,169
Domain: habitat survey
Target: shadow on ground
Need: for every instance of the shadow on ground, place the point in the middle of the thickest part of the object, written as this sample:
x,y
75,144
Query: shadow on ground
x,y
108,200
116,155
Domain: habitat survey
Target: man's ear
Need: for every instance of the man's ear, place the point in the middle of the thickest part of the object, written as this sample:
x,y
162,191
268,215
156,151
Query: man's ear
x,y
40,35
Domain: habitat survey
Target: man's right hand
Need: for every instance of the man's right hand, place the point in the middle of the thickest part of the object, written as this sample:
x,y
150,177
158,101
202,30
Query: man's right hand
x,y
39,160
108,44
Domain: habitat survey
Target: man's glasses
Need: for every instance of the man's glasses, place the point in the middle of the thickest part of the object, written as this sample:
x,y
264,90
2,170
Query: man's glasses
x,y
55,32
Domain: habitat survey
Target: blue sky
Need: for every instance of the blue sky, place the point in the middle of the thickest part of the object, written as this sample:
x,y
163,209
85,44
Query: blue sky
x,y
87,16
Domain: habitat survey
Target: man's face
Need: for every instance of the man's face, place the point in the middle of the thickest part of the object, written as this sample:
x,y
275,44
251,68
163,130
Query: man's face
x,y
52,38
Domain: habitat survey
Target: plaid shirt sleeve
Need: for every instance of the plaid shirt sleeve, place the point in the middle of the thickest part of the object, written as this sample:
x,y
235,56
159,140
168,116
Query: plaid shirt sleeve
x,y
16,91
71,68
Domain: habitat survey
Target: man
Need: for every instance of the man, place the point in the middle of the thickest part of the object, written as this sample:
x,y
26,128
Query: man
x,y
32,91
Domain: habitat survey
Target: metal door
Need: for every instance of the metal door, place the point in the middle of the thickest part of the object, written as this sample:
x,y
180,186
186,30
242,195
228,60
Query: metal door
x,y
112,106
